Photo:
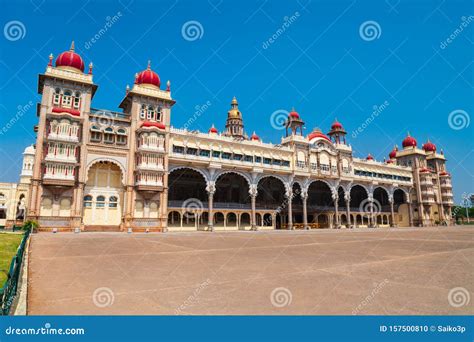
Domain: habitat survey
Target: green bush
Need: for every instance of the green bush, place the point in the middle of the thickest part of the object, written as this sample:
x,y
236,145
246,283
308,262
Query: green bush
x,y
30,225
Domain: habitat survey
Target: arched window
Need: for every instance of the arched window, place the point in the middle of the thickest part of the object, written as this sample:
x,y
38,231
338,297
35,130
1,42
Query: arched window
x,y
87,201
143,112
67,98
100,202
96,134
121,136
113,202
57,97
77,100
158,114
151,113
109,136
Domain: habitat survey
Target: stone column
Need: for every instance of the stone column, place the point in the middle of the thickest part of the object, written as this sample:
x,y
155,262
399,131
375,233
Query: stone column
x,y
410,214
304,197
253,196
371,204
289,197
347,197
335,198
211,189
392,212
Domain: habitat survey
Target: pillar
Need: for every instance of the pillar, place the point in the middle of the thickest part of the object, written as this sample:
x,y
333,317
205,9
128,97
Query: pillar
x,y
253,196
410,214
336,209
289,196
392,212
211,189
348,212
304,197
371,218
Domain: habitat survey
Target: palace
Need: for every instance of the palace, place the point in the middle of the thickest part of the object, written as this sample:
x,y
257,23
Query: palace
x,y
102,170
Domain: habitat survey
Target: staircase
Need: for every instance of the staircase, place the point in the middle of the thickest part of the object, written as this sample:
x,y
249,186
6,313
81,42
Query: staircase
x,y
101,228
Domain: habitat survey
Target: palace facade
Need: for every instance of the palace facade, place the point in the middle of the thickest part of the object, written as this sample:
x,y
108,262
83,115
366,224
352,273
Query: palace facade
x,y
130,170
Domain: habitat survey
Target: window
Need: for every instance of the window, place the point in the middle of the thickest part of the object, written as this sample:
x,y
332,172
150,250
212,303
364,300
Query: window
x,y
57,96
77,100
258,159
248,158
216,154
87,201
204,153
178,149
150,113
67,98
158,114
143,112
113,202
121,136
100,202
267,161
192,151
109,136
225,155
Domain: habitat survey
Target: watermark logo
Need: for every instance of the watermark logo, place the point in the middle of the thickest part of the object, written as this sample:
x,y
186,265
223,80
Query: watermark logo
x,y
459,119
192,207
368,207
103,297
370,30
192,30
198,111
465,21
281,297
376,111
278,119
14,30
193,298
287,22
370,297
109,22
458,297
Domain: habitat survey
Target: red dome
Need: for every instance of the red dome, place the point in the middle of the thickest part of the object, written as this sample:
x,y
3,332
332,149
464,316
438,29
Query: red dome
x,y
254,136
316,133
294,114
70,59
390,161
336,125
213,130
148,76
369,157
409,141
393,154
429,147
153,124
444,173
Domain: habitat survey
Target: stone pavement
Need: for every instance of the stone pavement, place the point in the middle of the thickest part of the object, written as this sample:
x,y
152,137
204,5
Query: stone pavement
x,y
402,271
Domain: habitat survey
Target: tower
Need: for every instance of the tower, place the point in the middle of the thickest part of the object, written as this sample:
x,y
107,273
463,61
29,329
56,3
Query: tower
x,y
337,133
234,124
294,123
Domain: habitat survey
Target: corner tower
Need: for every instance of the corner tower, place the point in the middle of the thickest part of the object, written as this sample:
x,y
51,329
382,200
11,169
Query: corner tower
x,y
234,124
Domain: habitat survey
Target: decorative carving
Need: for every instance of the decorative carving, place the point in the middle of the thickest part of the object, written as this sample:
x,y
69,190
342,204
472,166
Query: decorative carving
x,y
211,187
253,190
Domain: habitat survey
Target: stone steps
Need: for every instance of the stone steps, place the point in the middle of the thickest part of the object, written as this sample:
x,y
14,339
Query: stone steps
x,y
101,228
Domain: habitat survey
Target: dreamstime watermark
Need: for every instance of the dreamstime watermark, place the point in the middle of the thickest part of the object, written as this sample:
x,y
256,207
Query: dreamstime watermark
x,y
192,207
192,30
370,30
370,207
14,30
465,21
278,119
281,297
103,297
376,111
21,111
46,330
459,119
193,298
370,297
458,297
287,22
199,110
109,22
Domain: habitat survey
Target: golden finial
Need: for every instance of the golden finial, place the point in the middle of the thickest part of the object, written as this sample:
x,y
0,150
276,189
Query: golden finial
x,y
72,46
149,65
50,60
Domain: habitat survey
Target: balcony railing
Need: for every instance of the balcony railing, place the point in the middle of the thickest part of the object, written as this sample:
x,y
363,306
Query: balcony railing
x,y
62,137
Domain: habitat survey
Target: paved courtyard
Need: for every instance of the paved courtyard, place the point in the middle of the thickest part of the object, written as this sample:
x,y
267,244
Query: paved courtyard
x,y
400,271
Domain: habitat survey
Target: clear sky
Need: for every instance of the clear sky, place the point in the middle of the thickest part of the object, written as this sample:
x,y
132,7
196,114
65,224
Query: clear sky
x,y
328,59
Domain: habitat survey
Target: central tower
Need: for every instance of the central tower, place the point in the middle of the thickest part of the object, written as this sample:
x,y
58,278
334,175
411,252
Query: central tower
x,y
234,124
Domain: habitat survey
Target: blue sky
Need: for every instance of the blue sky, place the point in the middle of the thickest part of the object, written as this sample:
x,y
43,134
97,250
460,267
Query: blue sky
x,y
320,64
